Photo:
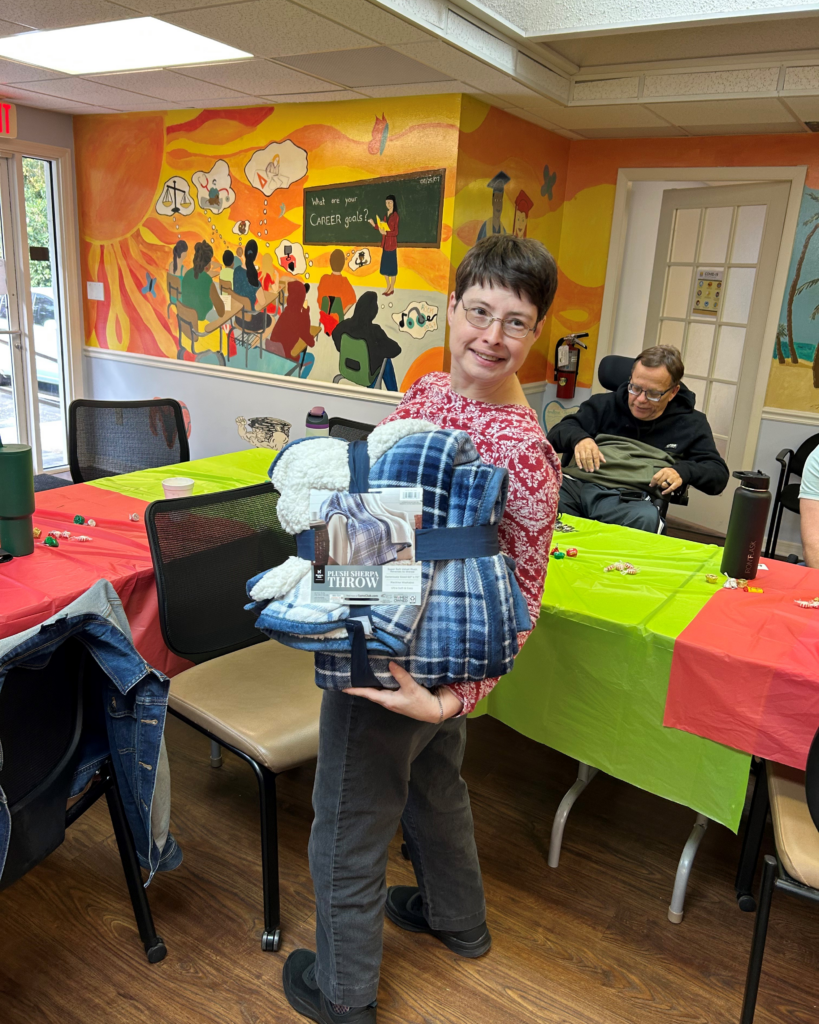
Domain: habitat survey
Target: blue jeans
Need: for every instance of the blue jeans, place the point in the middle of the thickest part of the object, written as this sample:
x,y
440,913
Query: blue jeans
x,y
377,769
606,505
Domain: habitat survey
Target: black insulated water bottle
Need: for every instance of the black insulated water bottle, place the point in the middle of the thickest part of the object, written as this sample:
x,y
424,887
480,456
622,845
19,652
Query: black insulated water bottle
x,y
746,527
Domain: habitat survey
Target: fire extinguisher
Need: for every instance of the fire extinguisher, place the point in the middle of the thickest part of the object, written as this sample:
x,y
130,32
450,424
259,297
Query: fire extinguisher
x,y
567,358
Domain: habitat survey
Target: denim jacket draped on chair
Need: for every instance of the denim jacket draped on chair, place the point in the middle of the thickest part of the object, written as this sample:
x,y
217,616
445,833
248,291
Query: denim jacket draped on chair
x,y
136,703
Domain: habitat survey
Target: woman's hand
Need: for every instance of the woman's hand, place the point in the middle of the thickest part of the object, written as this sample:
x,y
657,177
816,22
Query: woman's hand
x,y
412,699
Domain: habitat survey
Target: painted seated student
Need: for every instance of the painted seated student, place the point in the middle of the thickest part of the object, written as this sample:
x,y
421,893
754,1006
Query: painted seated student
x,y
247,283
645,436
291,336
226,273
363,346
335,294
199,293
177,264
269,276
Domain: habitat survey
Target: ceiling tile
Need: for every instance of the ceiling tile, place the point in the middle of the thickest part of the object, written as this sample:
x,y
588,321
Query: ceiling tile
x,y
82,89
419,89
314,97
166,85
806,107
256,77
755,128
10,28
723,112
62,13
268,28
620,115
661,132
33,99
157,7
376,65
461,66
11,71
368,19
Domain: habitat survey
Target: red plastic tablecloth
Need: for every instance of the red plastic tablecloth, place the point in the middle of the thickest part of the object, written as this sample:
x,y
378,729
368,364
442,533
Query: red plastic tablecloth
x,y
37,586
745,672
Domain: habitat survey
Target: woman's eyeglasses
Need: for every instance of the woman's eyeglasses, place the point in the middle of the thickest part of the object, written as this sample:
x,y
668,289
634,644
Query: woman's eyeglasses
x,y
512,328
652,396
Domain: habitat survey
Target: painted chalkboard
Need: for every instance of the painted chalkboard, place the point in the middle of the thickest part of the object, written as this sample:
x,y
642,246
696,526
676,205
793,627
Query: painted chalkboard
x,y
338,214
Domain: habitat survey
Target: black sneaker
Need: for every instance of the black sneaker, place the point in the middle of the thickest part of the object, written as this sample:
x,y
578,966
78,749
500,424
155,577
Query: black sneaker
x,y
405,908
304,995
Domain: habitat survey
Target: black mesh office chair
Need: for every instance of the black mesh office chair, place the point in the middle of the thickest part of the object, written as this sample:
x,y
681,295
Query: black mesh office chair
x,y
253,696
793,799
108,438
350,430
787,494
612,372
43,715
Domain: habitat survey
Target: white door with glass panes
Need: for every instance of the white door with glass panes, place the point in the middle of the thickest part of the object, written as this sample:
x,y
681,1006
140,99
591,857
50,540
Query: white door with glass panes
x,y
32,380
714,265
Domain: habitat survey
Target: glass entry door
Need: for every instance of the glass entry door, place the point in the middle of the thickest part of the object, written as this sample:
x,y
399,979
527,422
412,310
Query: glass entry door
x,y
711,285
32,380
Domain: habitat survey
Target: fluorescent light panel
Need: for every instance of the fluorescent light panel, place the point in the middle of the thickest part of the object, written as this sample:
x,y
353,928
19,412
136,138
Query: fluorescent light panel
x,y
128,45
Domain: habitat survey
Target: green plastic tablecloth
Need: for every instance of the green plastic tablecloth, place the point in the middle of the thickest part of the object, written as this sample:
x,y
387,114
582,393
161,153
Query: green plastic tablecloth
x,y
218,473
592,679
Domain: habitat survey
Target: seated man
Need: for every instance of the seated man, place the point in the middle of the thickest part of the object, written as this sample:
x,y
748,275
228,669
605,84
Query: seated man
x,y
644,436
809,510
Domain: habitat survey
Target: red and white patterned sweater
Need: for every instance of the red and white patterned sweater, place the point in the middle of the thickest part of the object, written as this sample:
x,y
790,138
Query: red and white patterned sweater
x,y
511,437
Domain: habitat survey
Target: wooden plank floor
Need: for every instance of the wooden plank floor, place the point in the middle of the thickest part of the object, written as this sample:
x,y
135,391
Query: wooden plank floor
x,y
588,943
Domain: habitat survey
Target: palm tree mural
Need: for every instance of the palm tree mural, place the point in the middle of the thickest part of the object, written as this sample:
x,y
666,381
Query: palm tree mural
x,y
796,288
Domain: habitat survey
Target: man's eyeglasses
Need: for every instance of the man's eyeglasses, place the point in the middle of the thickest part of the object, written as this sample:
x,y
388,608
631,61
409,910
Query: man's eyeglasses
x,y
652,396
512,328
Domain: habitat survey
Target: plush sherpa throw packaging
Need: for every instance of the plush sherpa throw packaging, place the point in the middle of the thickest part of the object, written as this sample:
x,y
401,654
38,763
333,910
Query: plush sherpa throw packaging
x,y
471,610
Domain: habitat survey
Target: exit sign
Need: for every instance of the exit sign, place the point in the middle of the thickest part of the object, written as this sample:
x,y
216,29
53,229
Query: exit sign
x,y
8,120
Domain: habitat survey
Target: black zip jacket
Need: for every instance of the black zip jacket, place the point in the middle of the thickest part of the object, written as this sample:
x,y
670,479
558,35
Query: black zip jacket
x,y
681,431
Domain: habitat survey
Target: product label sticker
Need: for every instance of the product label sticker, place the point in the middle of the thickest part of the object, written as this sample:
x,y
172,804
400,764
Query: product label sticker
x,y
365,546
707,293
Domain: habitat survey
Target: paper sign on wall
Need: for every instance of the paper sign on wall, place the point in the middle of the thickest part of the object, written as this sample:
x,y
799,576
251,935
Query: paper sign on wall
x,y
96,291
707,293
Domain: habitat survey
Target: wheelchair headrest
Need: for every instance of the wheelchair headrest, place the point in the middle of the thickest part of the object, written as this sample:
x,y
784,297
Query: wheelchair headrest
x,y
613,371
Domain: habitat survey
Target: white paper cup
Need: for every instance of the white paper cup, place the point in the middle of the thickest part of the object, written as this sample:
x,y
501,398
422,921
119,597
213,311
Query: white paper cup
x,y
178,486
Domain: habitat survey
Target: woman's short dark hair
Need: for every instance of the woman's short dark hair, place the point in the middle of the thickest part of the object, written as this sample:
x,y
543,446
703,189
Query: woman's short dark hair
x,y
251,252
663,355
394,203
523,265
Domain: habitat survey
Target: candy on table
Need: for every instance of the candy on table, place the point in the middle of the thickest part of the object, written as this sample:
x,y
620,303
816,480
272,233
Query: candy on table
x,y
37,533
711,577
134,517
555,549
90,523
571,552
82,537
741,584
559,554
79,520
730,584
66,534
51,542
55,533
624,568
808,604
753,590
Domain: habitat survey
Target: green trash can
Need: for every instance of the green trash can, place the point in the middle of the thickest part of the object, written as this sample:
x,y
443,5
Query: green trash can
x,y
16,499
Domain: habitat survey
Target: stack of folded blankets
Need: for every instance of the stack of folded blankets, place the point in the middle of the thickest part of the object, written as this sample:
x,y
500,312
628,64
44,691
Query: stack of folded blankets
x,y
471,610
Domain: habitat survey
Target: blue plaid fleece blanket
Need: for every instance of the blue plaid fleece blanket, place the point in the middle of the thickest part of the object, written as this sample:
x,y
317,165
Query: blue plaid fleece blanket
x,y
471,610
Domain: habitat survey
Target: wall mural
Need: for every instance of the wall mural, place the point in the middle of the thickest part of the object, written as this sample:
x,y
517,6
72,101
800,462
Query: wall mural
x,y
315,241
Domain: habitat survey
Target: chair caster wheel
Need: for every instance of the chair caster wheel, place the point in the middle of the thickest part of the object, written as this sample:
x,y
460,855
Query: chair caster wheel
x,y
405,851
746,902
271,941
156,952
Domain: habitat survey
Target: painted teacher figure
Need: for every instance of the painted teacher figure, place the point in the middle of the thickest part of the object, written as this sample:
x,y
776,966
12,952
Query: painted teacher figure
x,y
389,244
494,226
